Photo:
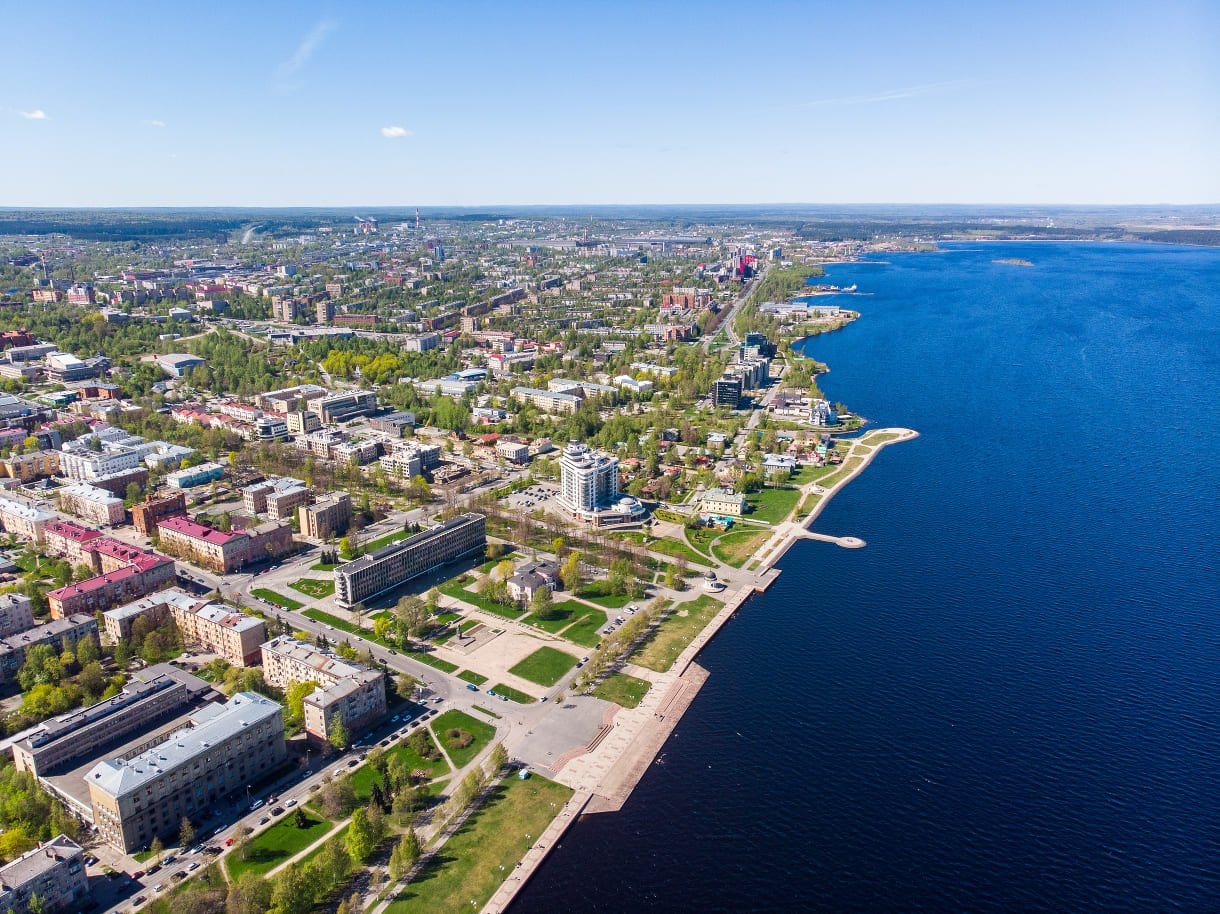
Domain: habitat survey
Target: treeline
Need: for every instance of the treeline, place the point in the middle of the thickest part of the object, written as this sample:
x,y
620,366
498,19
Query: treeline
x,y
28,815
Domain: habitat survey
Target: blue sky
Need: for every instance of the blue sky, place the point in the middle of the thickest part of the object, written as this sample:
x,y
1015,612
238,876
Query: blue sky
x,y
268,103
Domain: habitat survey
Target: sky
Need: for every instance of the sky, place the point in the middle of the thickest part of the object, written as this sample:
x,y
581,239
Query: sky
x,y
462,103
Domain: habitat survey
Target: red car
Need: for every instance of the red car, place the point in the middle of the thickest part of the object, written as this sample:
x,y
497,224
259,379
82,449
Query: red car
x,y
228,842
137,874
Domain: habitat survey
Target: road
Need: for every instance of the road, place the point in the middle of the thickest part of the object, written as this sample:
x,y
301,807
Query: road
x,y
726,322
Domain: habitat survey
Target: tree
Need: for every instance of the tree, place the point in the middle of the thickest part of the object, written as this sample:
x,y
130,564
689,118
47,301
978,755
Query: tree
x,y
542,604
333,864
433,601
360,843
405,854
186,833
338,798
299,819
294,698
569,573
405,686
412,615
156,848
498,758
290,891
250,893
346,550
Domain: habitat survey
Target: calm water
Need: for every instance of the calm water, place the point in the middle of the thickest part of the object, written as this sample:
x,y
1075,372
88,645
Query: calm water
x,y
1010,701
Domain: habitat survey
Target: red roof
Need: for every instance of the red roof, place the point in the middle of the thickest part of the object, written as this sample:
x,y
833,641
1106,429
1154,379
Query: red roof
x,y
71,531
187,527
96,583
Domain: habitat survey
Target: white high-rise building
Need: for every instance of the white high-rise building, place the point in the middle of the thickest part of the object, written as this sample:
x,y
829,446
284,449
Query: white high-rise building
x,y
589,479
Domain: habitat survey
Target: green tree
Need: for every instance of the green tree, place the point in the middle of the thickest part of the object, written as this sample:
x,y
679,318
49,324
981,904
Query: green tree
x,y
299,819
250,893
405,854
186,833
294,699
360,842
156,848
290,892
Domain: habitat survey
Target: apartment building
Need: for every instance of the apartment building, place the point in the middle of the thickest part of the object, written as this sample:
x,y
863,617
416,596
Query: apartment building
x,y
548,400
92,504
126,573
726,391
56,632
199,475
227,747
148,513
16,614
28,467
117,622
23,521
302,422
217,628
347,692
53,872
71,542
343,406
153,696
277,497
223,552
327,517
394,565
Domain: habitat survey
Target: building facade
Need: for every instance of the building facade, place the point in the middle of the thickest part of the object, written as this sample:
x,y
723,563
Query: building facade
x,y
226,748
145,515
327,517
588,479
388,568
91,503
347,692
53,872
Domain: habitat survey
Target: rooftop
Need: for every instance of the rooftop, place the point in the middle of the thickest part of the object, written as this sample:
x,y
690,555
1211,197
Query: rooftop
x,y
180,523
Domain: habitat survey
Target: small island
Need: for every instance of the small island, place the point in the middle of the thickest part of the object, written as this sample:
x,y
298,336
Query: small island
x,y
1015,262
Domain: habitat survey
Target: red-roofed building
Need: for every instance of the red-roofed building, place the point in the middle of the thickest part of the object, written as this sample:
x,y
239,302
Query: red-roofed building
x,y
219,551
72,541
147,573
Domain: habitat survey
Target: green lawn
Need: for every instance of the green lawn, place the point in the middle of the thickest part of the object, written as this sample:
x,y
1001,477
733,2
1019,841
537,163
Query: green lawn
x,y
772,505
433,661
458,592
563,614
279,842
701,538
546,666
480,734
314,587
678,630
678,550
622,689
598,593
586,631
512,694
736,547
492,563
278,599
472,677
482,854
324,566
363,777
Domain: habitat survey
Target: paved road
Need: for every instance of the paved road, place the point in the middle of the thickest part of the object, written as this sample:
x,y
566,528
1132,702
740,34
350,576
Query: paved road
x,y
726,321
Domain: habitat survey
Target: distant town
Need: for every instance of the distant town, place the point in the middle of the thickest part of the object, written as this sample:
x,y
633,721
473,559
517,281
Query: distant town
x,y
321,540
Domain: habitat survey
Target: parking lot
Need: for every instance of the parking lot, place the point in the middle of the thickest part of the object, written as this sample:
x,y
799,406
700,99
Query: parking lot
x,y
536,496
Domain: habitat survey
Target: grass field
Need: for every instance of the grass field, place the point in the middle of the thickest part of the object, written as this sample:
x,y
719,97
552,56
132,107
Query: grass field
x,y
678,550
586,631
278,599
324,566
622,689
772,505
363,777
512,694
482,734
564,613
482,854
597,593
279,842
701,538
546,666
844,470
458,592
736,547
314,587
472,677
492,563
433,661
678,630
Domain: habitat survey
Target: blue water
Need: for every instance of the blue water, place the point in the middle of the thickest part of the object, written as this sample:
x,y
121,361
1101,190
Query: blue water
x,y
1010,700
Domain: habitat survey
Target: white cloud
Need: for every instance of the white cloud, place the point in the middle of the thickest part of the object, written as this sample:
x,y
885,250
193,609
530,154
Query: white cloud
x,y
890,95
395,133
304,51
36,115
154,123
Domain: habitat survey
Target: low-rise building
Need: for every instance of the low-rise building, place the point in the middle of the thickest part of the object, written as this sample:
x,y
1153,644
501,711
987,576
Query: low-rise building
x,y
53,873
56,632
326,517
16,614
547,400
277,497
343,406
91,503
302,422
216,628
146,515
226,748
24,522
721,501
513,451
142,573
346,691
531,578
394,565
223,552
199,475
28,467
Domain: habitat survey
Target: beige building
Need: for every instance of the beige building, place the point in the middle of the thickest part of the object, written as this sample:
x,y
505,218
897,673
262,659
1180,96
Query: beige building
x,y
28,467
217,628
327,517
346,691
92,504
23,521
278,497
16,614
719,501
53,871
227,748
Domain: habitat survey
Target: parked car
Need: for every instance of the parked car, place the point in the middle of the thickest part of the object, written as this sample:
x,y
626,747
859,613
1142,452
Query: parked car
x,y
291,803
